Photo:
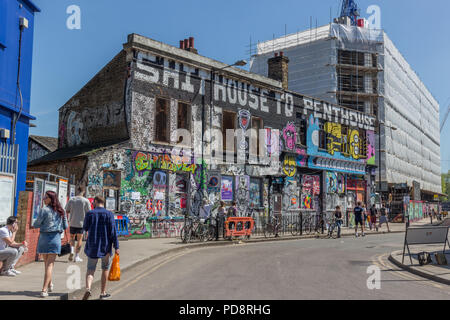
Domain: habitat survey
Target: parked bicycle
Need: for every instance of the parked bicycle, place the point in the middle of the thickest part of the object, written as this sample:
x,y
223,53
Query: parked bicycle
x,y
272,227
196,229
333,229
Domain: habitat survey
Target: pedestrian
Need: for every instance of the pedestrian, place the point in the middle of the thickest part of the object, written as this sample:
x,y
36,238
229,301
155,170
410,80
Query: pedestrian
x,y
76,209
221,212
232,211
338,217
101,237
364,213
373,218
359,211
51,221
10,251
384,218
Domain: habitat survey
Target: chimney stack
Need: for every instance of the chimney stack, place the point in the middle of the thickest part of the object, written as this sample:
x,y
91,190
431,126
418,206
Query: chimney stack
x,y
279,69
188,45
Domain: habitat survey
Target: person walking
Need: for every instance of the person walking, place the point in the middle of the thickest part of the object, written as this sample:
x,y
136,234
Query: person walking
x,y
373,218
359,211
10,251
232,211
221,212
338,217
383,218
101,237
76,209
51,221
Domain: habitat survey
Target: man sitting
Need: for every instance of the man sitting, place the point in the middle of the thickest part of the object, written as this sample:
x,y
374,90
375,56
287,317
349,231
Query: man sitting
x,y
10,251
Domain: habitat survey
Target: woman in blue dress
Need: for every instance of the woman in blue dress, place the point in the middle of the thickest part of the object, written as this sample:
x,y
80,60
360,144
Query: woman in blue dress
x,y
52,221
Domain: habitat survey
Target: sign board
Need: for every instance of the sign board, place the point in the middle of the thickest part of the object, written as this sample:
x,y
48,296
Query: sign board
x,y
425,235
63,187
429,235
38,195
72,191
51,186
6,197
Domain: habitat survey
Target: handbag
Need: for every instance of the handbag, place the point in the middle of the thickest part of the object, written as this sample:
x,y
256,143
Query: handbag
x,y
65,248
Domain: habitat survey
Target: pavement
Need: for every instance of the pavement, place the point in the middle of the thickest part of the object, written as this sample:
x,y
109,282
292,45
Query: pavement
x,y
69,277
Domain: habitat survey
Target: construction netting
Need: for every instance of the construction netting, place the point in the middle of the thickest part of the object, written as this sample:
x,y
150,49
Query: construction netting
x,y
410,153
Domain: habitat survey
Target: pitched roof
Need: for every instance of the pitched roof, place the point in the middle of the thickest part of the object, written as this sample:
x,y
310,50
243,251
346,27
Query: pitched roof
x,y
75,152
49,143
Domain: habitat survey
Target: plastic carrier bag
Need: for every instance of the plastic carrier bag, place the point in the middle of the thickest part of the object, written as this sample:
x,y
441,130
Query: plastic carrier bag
x,y
114,272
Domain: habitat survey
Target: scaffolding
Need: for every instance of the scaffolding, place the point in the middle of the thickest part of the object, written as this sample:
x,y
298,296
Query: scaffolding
x,y
361,68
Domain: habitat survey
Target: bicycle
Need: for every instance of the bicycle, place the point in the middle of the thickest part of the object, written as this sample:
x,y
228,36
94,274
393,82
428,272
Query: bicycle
x,y
194,228
333,228
272,227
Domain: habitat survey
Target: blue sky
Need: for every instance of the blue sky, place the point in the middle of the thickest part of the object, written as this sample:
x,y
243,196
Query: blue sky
x,y
64,60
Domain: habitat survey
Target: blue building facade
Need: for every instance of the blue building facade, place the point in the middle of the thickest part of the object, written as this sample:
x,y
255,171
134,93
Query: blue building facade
x,y
16,51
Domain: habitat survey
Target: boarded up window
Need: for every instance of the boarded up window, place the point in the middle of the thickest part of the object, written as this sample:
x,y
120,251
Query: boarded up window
x,y
162,120
228,122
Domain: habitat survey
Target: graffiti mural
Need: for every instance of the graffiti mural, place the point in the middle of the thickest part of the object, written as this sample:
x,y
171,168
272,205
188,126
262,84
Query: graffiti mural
x,y
331,182
255,193
290,136
244,117
242,193
290,195
311,185
148,161
289,166
370,147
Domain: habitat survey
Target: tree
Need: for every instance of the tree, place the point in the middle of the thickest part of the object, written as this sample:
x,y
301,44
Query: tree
x,y
445,178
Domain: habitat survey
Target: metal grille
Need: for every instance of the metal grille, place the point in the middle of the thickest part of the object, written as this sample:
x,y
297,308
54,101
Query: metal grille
x,y
8,158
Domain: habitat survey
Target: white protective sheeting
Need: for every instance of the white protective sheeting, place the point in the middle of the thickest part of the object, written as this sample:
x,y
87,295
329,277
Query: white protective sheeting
x,y
413,150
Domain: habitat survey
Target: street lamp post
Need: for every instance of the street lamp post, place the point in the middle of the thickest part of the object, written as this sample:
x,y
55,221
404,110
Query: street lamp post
x,y
239,63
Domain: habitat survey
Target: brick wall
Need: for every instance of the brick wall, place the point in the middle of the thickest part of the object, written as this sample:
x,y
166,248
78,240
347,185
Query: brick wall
x,y
96,113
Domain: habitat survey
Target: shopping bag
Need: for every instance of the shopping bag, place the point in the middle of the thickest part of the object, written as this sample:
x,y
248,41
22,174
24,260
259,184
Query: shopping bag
x,y
114,272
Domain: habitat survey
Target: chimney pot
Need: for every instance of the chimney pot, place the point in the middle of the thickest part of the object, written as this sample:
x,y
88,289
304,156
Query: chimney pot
x,y
191,42
181,44
276,54
281,53
186,44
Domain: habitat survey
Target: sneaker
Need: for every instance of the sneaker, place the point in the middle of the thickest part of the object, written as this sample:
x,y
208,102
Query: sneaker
x,y
8,273
15,271
78,259
105,296
87,295
356,235
363,234
44,294
50,287
71,257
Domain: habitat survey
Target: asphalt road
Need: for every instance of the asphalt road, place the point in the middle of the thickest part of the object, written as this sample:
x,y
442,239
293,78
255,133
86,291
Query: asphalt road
x,y
281,270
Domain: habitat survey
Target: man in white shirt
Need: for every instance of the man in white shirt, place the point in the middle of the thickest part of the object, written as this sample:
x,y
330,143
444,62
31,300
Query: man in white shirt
x,y
76,209
10,251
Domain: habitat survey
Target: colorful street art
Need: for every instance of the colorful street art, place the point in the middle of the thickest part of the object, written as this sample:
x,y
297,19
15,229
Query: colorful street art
x,y
148,161
311,185
242,192
342,143
255,193
289,166
331,182
226,189
290,136
370,147
306,201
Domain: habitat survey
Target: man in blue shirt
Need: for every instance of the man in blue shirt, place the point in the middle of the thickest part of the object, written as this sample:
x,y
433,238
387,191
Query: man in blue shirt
x,y
359,218
101,237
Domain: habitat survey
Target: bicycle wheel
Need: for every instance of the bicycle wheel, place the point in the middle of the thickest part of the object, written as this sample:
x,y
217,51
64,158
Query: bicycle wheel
x,y
295,229
185,234
307,226
334,232
268,230
211,233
